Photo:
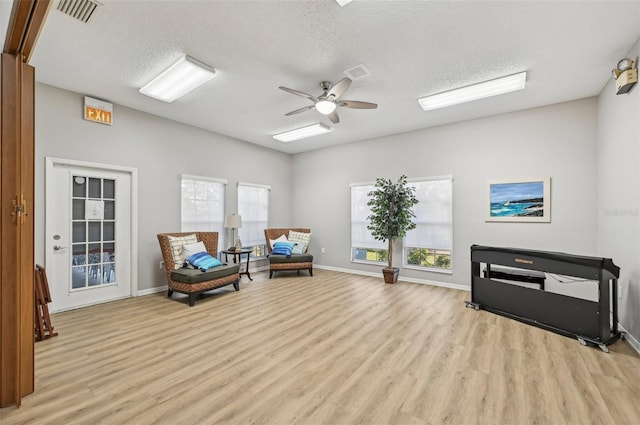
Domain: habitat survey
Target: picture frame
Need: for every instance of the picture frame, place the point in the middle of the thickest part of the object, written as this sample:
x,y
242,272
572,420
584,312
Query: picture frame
x,y
521,200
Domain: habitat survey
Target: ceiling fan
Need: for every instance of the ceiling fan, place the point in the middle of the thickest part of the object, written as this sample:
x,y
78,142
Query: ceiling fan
x,y
329,101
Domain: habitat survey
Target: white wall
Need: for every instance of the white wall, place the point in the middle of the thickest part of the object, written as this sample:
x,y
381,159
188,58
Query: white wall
x,y
557,141
161,150
618,198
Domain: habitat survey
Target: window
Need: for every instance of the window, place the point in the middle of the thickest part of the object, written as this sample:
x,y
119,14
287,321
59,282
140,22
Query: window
x,y
429,246
364,248
202,207
253,207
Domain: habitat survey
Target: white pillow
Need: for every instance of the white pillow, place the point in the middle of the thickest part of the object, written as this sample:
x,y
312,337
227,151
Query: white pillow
x,y
176,243
193,248
281,238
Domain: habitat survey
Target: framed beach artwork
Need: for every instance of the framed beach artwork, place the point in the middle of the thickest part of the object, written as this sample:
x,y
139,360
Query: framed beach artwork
x,y
519,200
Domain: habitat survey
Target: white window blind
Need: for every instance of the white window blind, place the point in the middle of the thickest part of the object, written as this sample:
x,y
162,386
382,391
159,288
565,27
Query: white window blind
x,y
360,235
434,217
202,207
253,207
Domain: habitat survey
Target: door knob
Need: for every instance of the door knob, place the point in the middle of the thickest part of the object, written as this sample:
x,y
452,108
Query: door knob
x,y
58,247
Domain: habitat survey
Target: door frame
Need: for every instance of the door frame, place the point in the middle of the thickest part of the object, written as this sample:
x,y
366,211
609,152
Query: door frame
x,y
51,162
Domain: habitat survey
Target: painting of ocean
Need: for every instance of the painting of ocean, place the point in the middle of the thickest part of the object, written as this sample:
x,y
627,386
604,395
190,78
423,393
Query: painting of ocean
x,y
525,199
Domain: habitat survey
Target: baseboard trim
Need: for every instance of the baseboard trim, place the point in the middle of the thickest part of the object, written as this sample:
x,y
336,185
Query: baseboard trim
x,y
633,342
154,290
400,278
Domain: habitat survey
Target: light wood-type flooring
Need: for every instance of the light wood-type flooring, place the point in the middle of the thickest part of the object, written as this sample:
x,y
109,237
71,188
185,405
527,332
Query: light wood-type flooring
x,y
330,349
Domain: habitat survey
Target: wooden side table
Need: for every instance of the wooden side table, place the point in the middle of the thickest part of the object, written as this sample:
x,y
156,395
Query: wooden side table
x,y
237,259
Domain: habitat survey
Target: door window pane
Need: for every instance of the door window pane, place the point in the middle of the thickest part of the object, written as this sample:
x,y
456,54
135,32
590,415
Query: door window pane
x,y
109,189
95,186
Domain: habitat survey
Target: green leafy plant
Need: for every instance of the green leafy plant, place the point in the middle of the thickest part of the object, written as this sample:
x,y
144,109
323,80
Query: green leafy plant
x,y
391,211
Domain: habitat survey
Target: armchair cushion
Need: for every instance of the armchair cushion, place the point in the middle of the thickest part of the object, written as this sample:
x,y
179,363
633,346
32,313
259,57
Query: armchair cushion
x,y
293,258
185,275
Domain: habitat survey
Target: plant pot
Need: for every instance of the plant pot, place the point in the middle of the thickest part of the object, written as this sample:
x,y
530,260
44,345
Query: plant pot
x,y
390,274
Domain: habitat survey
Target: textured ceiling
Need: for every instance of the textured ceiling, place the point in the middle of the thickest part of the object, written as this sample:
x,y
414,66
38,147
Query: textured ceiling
x,y
412,48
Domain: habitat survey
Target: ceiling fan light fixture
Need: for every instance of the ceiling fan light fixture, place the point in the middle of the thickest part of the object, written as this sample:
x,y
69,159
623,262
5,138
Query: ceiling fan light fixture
x,y
325,107
302,132
179,79
474,92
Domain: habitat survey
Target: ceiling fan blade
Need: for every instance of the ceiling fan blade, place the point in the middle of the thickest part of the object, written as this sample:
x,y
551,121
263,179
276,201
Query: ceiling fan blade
x,y
356,104
299,93
297,111
339,88
334,117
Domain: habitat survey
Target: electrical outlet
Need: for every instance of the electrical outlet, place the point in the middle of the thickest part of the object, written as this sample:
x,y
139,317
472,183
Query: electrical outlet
x,y
322,250
161,265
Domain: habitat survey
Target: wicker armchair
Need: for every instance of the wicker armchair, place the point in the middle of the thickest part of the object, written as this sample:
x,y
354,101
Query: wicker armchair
x,y
280,262
193,282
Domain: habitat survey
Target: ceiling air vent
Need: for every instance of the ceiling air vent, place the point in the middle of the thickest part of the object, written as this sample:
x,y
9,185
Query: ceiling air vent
x,y
81,10
357,72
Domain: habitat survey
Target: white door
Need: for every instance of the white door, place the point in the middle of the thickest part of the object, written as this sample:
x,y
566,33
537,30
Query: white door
x,y
88,234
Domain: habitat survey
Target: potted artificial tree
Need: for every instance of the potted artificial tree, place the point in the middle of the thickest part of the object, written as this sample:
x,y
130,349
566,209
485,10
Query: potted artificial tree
x,y
391,216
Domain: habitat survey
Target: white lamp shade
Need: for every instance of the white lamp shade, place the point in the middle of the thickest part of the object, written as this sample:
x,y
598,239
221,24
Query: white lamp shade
x,y
233,221
325,107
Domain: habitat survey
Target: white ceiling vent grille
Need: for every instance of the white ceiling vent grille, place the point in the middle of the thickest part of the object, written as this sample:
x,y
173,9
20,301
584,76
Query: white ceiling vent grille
x,y
81,10
357,72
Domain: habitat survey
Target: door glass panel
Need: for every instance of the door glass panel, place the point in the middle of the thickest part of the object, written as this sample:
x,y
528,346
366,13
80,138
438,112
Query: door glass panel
x,y
95,275
79,255
95,186
79,187
109,231
94,231
78,209
109,210
79,232
93,261
109,191
78,277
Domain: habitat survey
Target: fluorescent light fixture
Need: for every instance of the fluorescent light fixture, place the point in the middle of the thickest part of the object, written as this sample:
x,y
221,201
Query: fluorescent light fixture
x,y
477,91
325,107
302,132
343,2
179,79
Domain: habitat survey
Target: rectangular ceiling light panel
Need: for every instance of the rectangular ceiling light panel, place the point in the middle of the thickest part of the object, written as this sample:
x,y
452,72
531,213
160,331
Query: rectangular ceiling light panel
x,y
179,79
474,92
302,132
343,2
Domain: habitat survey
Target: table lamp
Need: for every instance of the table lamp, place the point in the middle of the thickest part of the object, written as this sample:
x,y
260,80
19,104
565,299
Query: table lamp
x,y
233,221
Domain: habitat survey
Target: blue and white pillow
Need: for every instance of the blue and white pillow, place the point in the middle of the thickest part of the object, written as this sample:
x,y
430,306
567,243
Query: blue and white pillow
x,y
203,261
283,248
